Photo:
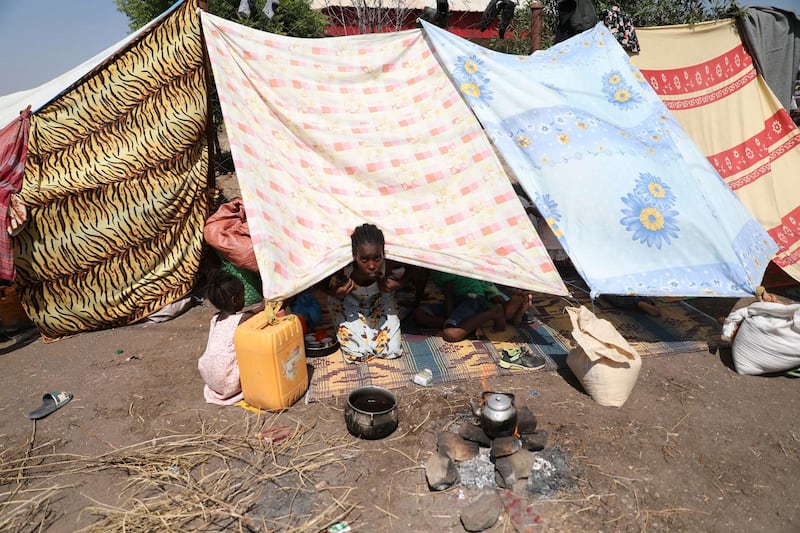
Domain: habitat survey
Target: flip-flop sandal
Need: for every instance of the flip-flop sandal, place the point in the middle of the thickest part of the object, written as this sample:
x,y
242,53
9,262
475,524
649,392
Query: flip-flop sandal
x,y
51,402
792,373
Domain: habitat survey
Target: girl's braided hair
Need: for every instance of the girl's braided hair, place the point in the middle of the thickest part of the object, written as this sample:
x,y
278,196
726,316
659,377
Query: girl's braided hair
x,y
366,234
223,287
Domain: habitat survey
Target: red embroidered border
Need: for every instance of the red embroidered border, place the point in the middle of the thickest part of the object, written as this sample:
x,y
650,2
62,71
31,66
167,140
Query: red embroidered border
x,y
710,98
788,232
756,149
670,82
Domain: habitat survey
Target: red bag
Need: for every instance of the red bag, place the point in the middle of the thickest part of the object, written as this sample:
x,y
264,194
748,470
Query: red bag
x,y
227,232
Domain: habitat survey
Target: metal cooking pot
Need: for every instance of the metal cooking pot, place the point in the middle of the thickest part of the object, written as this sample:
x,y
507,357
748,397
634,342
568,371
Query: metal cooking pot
x,y
371,413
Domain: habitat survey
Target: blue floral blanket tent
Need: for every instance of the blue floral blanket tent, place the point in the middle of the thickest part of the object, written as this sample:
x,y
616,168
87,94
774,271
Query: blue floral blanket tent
x,y
636,205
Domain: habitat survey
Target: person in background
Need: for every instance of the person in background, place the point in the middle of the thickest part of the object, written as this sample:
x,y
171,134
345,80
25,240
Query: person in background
x,y
640,303
218,366
362,302
516,303
466,307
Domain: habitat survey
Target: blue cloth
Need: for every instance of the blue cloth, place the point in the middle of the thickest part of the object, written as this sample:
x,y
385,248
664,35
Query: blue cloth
x,y
634,202
465,307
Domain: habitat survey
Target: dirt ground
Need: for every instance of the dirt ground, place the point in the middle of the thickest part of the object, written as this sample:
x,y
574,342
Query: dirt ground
x,y
696,447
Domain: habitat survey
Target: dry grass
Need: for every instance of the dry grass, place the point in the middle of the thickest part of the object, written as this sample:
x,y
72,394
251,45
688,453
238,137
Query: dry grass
x,y
218,479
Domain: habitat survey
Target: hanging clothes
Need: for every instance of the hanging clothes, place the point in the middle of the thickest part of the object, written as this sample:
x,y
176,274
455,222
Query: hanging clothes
x,y
621,26
13,152
574,17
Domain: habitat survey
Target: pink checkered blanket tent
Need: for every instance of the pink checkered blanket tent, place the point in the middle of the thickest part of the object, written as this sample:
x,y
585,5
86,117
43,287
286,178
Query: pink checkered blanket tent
x,y
327,134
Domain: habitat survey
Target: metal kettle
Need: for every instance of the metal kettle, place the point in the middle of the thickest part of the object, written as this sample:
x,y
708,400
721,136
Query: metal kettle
x,y
497,414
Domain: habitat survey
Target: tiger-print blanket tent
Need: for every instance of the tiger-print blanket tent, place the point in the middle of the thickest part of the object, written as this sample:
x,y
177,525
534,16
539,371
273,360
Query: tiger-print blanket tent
x,y
116,184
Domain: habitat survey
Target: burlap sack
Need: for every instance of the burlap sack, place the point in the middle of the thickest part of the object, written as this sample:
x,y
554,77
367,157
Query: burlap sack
x,y
605,364
227,232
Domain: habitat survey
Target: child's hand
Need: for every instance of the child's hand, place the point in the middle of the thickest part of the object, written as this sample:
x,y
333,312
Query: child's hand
x,y
345,288
389,284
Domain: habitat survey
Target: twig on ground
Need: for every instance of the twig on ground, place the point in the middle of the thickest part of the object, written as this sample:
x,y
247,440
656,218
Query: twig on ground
x,y
415,428
387,512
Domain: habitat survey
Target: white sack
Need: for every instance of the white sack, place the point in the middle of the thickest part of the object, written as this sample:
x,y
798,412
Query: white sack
x,y
605,364
767,339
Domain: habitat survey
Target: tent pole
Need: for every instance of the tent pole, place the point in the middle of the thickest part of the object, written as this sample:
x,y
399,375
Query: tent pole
x,y
211,177
536,25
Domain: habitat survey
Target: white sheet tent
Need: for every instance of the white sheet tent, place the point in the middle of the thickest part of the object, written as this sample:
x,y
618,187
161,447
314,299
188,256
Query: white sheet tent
x,y
328,117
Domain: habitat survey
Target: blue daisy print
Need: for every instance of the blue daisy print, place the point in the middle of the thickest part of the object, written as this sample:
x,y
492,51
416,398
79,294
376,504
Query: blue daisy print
x,y
548,205
619,93
650,225
477,90
653,191
468,68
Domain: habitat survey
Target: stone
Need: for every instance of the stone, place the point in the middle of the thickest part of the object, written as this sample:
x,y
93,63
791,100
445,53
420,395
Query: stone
x,y
474,433
502,446
520,486
504,473
482,512
535,441
526,420
441,472
455,447
521,463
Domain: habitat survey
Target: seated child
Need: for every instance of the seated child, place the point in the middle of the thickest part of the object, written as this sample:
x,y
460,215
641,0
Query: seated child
x,y
362,302
466,307
218,365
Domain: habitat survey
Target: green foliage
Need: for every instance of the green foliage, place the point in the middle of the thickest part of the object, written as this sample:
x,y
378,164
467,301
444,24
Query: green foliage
x,y
292,17
140,12
670,12
643,12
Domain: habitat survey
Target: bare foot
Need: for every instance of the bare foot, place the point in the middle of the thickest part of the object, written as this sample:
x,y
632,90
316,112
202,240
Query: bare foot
x,y
648,308
520,314
499,318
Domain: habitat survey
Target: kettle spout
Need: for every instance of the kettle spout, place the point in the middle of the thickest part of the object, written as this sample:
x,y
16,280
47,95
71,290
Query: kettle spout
x,y
475,409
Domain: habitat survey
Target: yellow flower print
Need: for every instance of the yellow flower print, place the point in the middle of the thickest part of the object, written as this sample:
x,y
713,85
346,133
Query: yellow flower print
x,y
581,125
471,67
656,190
614,79
637,74
553,223
470,89
656,138
563,138
622,95
523,141
651,218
